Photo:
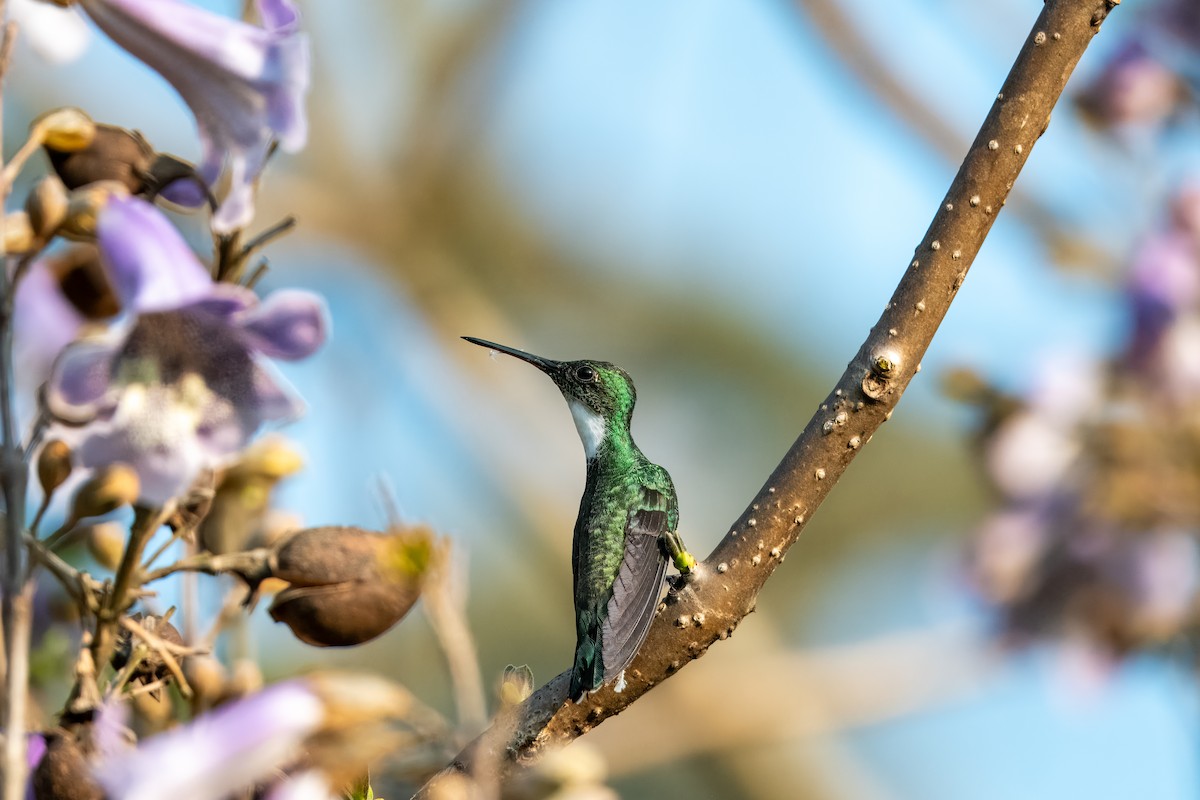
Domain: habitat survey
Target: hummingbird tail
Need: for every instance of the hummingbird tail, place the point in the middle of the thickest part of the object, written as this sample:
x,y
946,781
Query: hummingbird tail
x,y
587,674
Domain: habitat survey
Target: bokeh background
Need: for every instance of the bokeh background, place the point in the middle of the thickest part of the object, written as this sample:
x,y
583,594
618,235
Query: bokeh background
x,y
720,197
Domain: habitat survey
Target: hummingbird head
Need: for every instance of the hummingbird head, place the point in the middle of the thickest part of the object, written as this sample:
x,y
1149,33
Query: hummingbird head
x,y
599,394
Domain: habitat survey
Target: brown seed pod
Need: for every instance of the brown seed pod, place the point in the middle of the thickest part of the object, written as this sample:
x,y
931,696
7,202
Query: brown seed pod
x,y
349,585
152,666
114,154
64,773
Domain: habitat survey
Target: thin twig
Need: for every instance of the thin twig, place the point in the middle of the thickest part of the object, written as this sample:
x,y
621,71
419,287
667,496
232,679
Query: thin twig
x,y
175,536
264,238
708,605
251,563
82,588
13,168
166,651
445,605
18,586
40,423
260,270
146,522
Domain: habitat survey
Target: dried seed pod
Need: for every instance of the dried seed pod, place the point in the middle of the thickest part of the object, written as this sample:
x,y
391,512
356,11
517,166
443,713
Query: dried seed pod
x,y
123,156
53,465
64,772
349,585
113,154
152,667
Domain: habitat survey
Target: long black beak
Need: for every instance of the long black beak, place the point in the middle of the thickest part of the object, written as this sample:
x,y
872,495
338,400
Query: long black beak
x,y
544,364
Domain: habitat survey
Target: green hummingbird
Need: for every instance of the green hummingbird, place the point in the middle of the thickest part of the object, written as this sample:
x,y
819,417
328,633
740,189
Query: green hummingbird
x,y
625,531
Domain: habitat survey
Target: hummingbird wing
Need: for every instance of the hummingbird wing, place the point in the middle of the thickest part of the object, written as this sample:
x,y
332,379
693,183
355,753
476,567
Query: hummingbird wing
x,y
638,584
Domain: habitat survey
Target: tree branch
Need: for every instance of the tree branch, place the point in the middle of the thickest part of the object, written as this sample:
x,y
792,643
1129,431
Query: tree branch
x,y
1067,246
708,605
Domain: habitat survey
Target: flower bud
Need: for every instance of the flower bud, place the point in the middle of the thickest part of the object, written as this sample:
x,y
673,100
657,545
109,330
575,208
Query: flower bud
x,y
65,130
349,585
106,543
272,457
153,710
207,676
53,465
516,684
242,499
114,154
111,487
64,773
85,206
47,206
18,233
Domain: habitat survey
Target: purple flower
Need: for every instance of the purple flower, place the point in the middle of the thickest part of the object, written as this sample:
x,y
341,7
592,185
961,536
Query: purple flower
x,y
1161,573
35,748
44,322
220,752
180,386
245,85
337,721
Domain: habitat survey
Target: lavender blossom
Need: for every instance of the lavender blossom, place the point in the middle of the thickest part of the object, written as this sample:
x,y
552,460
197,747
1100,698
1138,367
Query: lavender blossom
x,y
245,84
44,322
220,752
35,748
180,386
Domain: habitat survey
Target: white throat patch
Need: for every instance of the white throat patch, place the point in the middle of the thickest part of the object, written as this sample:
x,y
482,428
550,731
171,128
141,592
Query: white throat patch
x,y
590,425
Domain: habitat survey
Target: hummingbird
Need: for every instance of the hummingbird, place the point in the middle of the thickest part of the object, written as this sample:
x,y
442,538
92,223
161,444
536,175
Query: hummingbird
x,y
626,529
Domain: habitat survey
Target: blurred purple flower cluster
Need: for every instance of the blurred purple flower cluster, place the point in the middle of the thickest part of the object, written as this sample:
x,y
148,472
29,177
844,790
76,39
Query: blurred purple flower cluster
x,y
1152,78
169,375
150,369
1097,468
177,385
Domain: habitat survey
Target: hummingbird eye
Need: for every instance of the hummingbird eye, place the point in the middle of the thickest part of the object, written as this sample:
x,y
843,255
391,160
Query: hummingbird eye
x,y
585,374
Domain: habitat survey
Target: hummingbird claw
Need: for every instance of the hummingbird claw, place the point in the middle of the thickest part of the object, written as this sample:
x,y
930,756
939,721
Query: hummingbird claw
x,y
672,544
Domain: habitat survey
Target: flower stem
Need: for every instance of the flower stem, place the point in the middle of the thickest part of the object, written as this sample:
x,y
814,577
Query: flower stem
x,y
146,521
18,588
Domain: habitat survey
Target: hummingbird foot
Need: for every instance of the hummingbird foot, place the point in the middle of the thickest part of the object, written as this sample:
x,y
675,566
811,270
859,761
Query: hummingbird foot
x,y
672,545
